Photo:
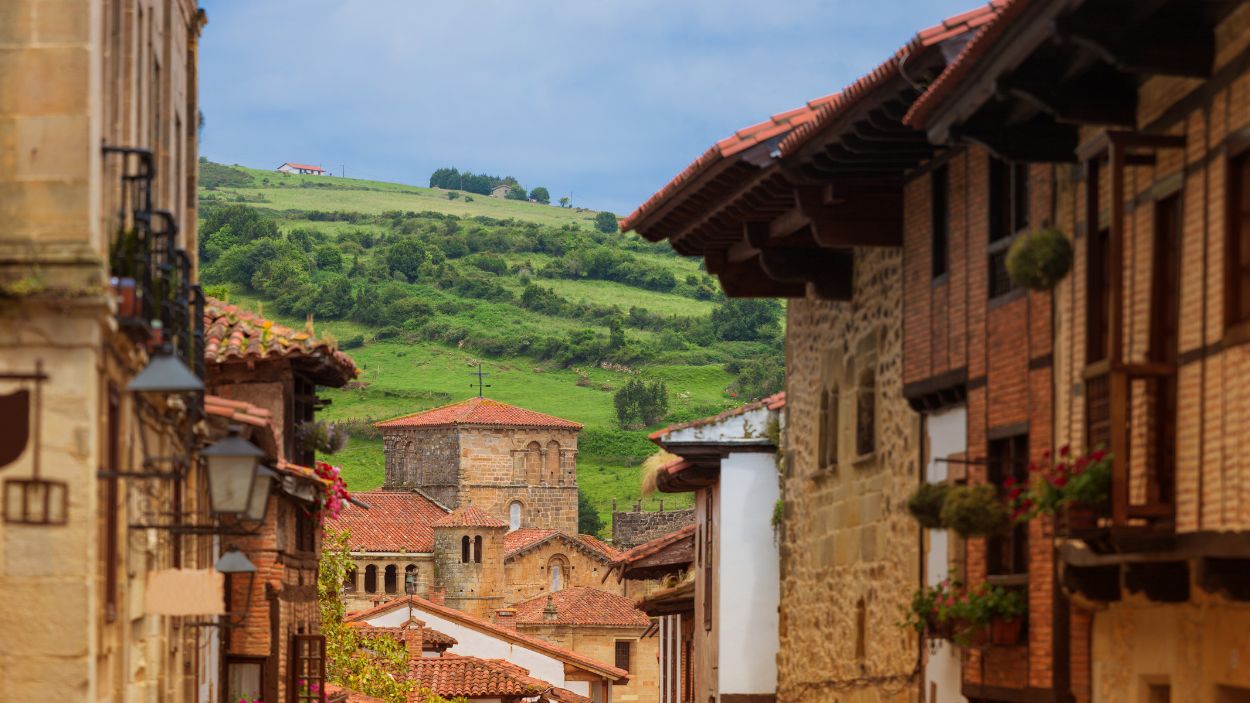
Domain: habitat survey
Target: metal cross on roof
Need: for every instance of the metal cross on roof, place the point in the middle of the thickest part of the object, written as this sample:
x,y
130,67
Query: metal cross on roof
x,y
481,378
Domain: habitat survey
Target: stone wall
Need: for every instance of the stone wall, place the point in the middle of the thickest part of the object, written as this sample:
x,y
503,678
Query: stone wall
x,y
599,643
849,551
632,528
428,459
528,574
359,598
472,586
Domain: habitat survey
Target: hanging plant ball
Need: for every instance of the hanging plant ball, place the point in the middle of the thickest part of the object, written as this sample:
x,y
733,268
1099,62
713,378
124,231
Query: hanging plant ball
x,y
975,511
1038,260
925,504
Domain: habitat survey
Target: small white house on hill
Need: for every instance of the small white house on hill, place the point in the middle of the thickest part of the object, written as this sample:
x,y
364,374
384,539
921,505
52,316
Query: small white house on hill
x,y
302,168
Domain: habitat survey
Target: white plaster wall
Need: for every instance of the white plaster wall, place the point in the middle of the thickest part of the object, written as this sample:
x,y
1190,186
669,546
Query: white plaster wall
x,y
948,434
749,574
474,643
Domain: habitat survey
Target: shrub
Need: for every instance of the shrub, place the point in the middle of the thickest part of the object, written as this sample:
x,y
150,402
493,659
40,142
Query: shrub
x,y
641,403
1040,259
353,342
320,436
925,504
975,511
605,222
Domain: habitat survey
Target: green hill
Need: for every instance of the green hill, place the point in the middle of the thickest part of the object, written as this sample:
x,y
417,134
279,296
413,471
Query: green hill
x,y
420,288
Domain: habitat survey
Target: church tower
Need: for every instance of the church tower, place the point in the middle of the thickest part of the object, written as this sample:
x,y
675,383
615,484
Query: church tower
x,y
468,554
517,465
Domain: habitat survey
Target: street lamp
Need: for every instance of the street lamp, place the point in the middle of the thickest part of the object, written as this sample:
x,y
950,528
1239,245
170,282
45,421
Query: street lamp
x,y
258,505
232,474
165,373
233,562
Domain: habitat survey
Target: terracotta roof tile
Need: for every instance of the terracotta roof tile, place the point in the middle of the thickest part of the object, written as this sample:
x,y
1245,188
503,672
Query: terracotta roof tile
x,y
924,107
479,411
776,401
395,521
232,334
468,516
339,694
600,546
507,634
303,166
434,638
581,605
564,695
243,413
654,546
453,675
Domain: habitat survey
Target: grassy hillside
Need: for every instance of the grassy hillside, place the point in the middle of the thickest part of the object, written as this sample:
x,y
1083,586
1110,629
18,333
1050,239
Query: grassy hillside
x,y
420,289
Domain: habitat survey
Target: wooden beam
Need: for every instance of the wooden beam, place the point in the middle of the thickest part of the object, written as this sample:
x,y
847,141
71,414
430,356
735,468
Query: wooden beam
x,y
830,272
1109,105
871,218
1041,141
1184,51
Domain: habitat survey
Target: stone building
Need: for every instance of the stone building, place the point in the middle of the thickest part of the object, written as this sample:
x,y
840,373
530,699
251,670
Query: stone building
x,y
516,464
631,528
1141,163
82,81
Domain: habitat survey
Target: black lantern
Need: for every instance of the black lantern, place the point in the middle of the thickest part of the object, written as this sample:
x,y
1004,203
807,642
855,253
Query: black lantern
x,y
258,504
234,563
232,467
165,373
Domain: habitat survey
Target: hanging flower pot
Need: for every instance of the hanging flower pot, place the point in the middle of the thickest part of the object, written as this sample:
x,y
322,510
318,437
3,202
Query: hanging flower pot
x,y
925,504
1004,632
1038,260
975,511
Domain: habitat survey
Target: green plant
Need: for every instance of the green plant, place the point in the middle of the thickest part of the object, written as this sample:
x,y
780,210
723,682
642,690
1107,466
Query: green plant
x,y
779,514
925,504
1039,259
1082,480
932,612
320,436
975,511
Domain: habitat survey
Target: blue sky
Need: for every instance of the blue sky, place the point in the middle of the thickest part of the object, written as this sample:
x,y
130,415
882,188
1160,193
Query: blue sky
x,y
602,99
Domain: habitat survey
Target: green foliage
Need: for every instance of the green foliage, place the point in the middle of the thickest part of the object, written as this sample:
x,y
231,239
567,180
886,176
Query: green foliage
x,y
779,514
1084,480
407,256
758,377
214,175
588,520
516,192
747,319
606,222
1038,260
328,257
975,511
640,404
482,184
320,436
925,504
564,202
951,612
540,195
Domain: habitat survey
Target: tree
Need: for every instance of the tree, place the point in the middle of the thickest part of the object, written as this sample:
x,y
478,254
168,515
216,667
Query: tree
x,y
516,192
328,257
564,202
639,403
406,256
541,195
605,222
247,224
758,377
588,520
746,320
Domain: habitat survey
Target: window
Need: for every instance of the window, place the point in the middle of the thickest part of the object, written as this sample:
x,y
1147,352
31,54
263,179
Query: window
x,y
866,414
391,578
245,678
708,530
553,462
1237,256
465,558
305,532
349,580
1098,297
940,218
410,579
533,463
308,668
111,496
557,572
828,429
477,549
514,515
371,579
1009,214
1008,554
623,649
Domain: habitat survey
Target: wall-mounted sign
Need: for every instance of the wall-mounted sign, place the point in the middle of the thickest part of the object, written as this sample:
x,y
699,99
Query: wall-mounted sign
x,y
34,500
185,592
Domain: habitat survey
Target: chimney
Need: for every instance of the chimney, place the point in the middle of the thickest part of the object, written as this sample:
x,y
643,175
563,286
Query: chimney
x,y
506,618
436,595
549,613
414,637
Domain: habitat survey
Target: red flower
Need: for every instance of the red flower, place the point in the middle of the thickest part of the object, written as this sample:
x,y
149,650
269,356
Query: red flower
x,y
1061,481
1063,451
1014,493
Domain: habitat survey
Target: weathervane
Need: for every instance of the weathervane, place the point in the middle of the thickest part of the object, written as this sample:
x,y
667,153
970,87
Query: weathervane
x,y
481,380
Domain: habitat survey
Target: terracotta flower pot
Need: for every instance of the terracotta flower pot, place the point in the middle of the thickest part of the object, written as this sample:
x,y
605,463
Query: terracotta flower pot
x,y
1081,516
1005,633
938,629
127,301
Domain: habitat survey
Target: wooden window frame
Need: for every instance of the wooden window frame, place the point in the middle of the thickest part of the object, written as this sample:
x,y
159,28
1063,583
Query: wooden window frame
x,y
305,532
628,653
708,547
298,671
1236,321
939,222
231,659
1000,467
1008,218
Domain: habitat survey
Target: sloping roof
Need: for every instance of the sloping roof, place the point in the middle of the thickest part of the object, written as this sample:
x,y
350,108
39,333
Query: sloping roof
x,y
468,516
479,411
232,334
963,64
654,546
581,605
776,401
948,28
395,521
737,142
243,413
565,655
306,167
430,639
564,695
339,694
526,538
452,675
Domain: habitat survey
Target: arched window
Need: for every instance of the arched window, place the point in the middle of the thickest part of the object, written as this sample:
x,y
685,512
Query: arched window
x,y
477,549
391,579
464,549
866,414
514,515
349,580
557,572
410,579
828,429
371,579
553,462
533,463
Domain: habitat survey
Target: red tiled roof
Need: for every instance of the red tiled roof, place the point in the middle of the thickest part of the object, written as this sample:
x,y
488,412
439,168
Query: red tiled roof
x,y
306,167
772,402
431,637
564,695
737,142
468,516
336,694
654,546
566,655
924,107
527,537
244,413
395,521
581,605
232,334
453,675
479,411
948,28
